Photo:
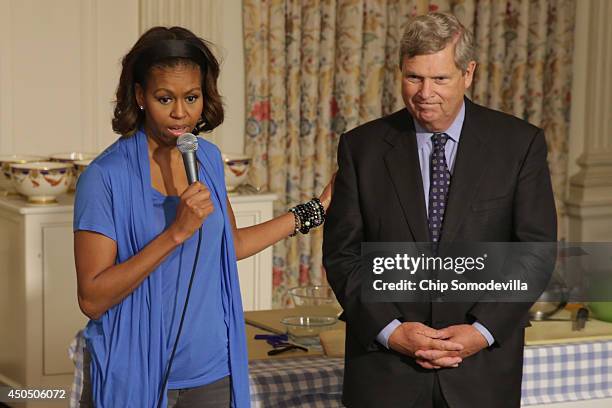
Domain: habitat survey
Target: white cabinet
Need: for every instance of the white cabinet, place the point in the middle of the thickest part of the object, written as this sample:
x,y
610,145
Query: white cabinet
x,y
255,272
39,313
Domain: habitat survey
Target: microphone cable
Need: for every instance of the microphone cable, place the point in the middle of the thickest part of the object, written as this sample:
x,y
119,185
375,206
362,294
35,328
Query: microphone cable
x,y
178,334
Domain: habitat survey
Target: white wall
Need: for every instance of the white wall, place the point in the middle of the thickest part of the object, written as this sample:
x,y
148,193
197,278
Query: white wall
x,y
60,64
231,136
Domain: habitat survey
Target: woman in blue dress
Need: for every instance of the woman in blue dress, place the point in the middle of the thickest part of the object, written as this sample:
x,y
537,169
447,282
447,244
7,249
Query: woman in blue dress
x,y
135,223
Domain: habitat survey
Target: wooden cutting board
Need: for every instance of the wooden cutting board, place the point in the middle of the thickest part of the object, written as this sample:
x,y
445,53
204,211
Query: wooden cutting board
x,y
553,332
258,349
270,319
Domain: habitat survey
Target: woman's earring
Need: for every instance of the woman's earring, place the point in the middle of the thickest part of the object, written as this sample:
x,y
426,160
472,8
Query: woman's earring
x,y
198,126
141,107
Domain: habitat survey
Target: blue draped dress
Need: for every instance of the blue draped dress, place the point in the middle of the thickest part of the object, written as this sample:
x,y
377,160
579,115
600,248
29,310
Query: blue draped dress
x,y
131,343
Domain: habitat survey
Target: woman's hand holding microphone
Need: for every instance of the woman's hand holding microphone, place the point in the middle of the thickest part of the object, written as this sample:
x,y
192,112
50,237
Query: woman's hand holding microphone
x,y
194,207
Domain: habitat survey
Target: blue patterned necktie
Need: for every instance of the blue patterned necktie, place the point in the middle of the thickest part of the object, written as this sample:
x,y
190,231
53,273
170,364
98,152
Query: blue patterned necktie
x,y
439,184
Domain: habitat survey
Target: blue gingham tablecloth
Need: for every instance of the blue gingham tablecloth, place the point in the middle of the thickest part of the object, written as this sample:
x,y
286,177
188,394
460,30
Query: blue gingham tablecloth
x,y
552,373
296,382
75,352
567,372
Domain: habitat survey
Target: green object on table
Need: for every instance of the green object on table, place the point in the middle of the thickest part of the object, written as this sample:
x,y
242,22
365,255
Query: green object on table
x,y
601,310
600,291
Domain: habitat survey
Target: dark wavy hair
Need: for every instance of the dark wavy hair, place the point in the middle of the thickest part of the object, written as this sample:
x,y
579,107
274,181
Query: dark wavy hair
x,y
127,117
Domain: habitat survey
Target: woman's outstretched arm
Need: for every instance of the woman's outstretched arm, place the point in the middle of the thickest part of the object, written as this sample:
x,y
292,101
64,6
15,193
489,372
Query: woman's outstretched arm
x,y
250,240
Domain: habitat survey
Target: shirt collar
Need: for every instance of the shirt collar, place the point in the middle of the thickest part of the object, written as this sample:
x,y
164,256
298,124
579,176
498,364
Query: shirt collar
x,y
453,132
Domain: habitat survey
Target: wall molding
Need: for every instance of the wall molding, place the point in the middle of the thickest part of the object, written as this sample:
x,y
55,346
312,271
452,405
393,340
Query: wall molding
x,y
7,144
200,16
589,202
89,75
598,133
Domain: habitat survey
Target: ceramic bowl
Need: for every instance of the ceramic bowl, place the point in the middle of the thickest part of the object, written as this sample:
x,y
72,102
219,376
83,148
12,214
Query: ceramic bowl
x,y
307,326
41,182
80,166
236,169
73,157
6,185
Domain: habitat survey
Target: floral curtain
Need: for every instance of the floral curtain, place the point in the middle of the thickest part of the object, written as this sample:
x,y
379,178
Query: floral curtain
x,y
317,68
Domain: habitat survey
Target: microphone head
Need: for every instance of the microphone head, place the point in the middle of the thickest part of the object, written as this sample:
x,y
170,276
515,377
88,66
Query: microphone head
x,y
187,142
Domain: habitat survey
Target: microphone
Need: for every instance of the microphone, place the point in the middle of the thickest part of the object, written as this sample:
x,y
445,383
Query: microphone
x,y
187,143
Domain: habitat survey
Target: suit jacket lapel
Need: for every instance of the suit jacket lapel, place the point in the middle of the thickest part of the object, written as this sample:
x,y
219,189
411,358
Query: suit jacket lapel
x,y
469,166
402,162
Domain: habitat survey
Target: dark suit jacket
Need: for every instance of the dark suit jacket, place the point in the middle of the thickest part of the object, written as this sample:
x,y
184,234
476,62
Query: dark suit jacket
x,y
500,192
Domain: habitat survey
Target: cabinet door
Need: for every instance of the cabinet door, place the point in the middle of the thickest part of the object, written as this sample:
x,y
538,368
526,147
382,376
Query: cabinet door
x,y
247,267
12,300
255,272
62,317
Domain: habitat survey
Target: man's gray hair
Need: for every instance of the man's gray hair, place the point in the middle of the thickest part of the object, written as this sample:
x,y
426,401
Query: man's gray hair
x,y
430,33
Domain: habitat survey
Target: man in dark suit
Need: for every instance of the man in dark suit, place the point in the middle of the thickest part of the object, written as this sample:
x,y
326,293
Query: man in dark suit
x,y
442,170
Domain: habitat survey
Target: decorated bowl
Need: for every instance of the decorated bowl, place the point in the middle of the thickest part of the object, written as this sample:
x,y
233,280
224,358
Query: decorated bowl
x,y
73,157
41,182
236,169
6,185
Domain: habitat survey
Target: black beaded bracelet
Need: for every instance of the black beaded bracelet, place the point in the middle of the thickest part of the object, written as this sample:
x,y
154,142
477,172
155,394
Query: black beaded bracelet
x,y
296,219
310,215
